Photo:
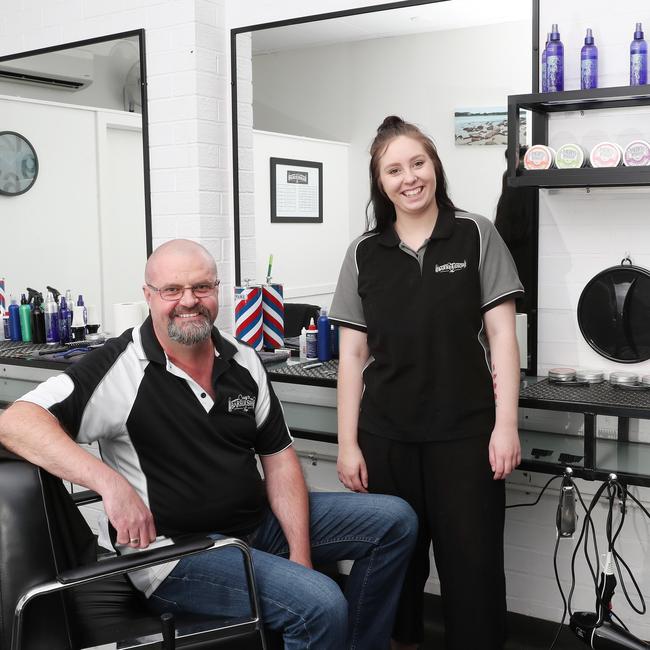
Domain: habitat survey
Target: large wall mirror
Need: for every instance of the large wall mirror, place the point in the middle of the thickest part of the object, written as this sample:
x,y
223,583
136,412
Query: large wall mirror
x,y
85,223
315,89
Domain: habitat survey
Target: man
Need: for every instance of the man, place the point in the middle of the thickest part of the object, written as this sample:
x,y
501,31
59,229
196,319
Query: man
x,y
180,410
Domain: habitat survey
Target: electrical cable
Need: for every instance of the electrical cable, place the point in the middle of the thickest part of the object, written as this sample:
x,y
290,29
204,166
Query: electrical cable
x,y
603,625
539,496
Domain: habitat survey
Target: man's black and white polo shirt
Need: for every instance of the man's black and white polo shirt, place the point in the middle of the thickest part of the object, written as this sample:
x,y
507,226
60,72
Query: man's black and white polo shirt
x,y
191,460
429,376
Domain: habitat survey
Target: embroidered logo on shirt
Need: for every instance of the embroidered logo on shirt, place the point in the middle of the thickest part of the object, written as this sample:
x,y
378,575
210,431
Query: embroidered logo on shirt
x,y
243,403
451,267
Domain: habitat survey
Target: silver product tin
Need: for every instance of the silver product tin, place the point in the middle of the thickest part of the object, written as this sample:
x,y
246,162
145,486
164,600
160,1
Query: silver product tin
x,y
562,374
590,376
623,378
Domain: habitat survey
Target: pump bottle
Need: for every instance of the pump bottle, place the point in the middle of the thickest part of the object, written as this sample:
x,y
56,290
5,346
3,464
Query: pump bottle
x,y
638,58
25,313
589,63
555,61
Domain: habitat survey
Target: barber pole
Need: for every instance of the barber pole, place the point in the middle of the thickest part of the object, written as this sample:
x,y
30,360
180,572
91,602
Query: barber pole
x,y
273,307
248,316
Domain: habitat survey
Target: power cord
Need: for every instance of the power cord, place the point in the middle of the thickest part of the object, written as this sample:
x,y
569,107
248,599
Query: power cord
x,y
599,629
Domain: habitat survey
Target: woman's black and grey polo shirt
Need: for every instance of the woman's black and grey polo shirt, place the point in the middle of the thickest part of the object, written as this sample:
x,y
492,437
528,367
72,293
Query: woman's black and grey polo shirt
x,y
429,374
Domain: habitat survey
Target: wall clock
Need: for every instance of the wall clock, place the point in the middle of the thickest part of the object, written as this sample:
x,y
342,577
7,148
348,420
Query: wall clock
x,y
18,164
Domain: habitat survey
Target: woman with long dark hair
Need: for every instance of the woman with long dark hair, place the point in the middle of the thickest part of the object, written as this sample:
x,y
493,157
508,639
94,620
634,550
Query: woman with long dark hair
x,y
429,380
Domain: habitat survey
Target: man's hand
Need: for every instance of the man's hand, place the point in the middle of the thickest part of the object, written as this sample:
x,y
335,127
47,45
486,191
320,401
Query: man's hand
x,y
505,451
351,468
128,514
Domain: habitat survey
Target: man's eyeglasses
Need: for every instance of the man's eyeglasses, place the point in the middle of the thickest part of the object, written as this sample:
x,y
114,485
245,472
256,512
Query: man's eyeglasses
x,y
201,290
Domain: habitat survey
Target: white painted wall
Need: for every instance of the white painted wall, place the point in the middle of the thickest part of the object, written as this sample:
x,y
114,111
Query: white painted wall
x,y
306,256
424,78
80,226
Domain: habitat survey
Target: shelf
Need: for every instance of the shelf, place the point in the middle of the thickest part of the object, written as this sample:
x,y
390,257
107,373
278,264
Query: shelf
x,y
545,104
581,100
583,177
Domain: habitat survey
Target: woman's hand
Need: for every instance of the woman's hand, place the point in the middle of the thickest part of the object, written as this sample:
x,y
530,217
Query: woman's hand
x,y
504,451
351,468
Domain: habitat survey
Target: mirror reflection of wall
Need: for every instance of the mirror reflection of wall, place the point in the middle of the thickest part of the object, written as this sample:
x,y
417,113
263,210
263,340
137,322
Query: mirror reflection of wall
x,y
322,93
83,225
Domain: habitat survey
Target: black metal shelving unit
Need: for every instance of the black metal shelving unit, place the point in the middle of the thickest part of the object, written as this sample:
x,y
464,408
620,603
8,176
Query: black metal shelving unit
x,y
593,458
543,105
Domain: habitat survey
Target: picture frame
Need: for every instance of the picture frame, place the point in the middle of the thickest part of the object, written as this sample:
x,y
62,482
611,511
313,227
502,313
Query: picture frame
x,y
296,191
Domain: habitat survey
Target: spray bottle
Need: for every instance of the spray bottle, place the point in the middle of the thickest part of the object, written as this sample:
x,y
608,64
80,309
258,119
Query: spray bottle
x,y
25,313
589,63
555,61
64,321
638,58
51,319
38,317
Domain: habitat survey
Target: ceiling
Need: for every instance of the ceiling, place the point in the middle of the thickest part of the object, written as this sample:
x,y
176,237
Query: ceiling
x,y
452,14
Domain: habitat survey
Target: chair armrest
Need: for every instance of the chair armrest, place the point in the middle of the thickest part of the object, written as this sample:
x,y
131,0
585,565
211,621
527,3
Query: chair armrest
x,y
138,560
85,497
133,561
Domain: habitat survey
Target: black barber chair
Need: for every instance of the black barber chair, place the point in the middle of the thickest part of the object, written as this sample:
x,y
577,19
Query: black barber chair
x,y
298,315
56,595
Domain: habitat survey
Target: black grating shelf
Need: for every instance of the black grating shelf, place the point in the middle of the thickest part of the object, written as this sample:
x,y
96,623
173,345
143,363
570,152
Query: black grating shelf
x,y
603,394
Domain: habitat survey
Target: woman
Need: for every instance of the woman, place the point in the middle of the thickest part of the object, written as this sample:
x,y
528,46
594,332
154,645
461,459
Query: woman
x,y
425,302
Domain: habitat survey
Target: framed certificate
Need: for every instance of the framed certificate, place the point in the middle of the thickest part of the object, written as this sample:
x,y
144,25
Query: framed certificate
x,y
296,191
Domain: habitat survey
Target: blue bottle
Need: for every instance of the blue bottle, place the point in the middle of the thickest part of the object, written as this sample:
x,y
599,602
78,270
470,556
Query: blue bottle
x,y
589,63
323,341
64,320
555,61
638,58
15,333
544,68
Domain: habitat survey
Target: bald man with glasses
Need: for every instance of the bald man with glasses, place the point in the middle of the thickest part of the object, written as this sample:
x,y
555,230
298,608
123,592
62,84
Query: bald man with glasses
x,y
180,411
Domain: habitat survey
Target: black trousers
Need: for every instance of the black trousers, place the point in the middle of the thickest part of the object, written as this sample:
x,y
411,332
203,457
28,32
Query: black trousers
x,y
461,510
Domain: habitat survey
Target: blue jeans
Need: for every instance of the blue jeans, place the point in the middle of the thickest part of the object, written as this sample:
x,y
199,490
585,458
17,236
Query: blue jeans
x,y
378,532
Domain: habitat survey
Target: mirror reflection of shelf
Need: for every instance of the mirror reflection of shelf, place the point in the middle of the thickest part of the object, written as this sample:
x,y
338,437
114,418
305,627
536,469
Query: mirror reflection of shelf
x,y
544,104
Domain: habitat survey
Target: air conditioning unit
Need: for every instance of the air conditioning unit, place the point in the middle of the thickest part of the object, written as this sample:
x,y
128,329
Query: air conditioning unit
x,y
54,70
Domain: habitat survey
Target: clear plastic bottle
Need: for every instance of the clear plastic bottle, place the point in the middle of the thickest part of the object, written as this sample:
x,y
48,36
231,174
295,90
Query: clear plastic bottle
x,y
555,61
589,63
638,58
544,66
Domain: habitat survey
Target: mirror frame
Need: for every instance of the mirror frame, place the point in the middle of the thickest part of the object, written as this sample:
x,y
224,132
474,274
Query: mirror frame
x,y
532,292
139,33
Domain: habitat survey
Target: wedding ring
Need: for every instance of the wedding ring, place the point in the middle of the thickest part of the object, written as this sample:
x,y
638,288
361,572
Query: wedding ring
x,y
134,540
